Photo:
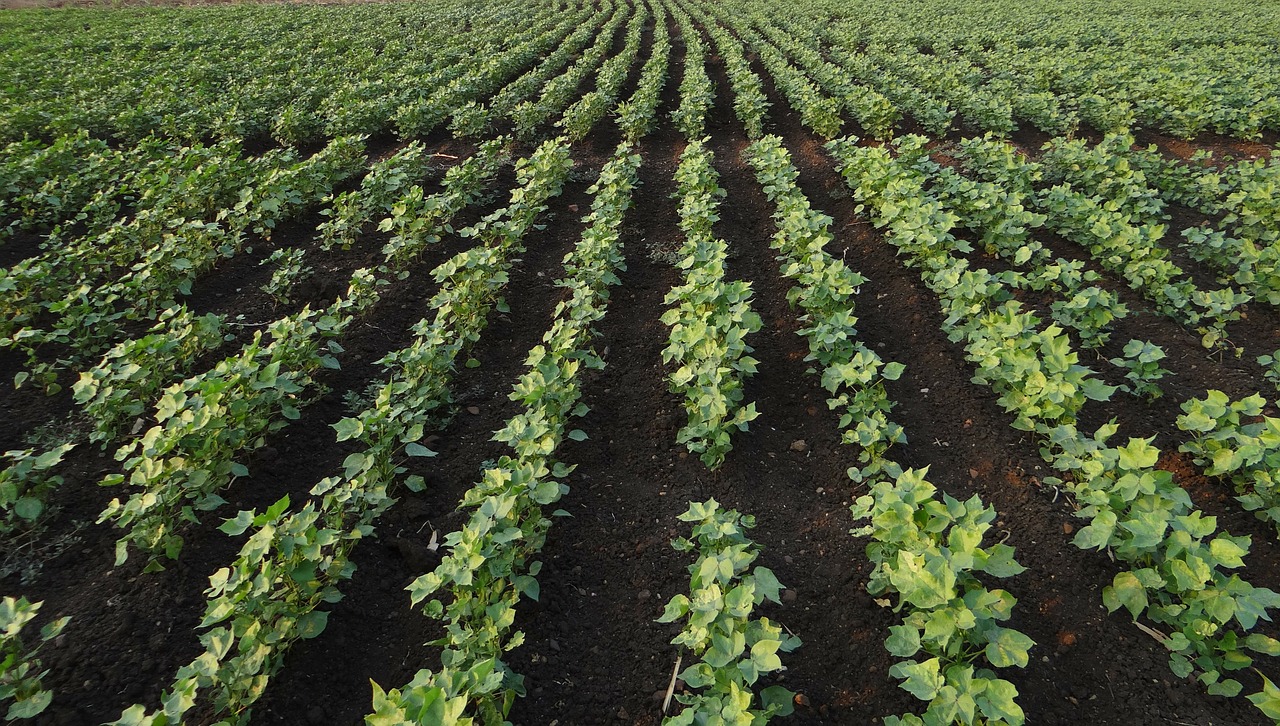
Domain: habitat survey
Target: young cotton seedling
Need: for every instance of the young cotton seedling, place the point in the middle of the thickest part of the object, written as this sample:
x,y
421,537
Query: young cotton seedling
x,y
1141,361
734,649
289,271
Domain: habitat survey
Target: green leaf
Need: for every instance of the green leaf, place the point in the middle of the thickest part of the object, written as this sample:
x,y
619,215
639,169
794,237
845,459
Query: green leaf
x,y
236,527
31,706
348,428
28,508
1125,591
1268,699
415,449
903,641
765,655
312,624
921,680
1008,647
578,435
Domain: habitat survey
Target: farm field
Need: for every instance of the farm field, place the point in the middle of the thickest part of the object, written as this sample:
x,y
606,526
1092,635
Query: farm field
x,y
640,361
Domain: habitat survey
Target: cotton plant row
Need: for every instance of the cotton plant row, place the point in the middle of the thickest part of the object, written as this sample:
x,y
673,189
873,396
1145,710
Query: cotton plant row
x,y
950,80
261,388
873,112
1245,242
491,563
1136,181
217,176
22,694
734,647
697,93
469,116
48,183
1004,220
749,100
91,316
529,115
925,548
80,182
934,115
818,112
582,116
417,220
1234,440
116,391
257,607
348,213
204,423
1135,511
710,319
1127,247
637,116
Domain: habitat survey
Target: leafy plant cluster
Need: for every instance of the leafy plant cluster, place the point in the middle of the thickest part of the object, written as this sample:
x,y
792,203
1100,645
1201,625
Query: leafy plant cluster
x,y
469,117
927,551
1135,511
20,673
233,72
1233,439
491,564
697,93
709,318
1141,363
636,116
561,90
873,112
914,554
349,212
293,561
582,116
1131,250
205,422
115,392
734,648
291,268
25,483
79,186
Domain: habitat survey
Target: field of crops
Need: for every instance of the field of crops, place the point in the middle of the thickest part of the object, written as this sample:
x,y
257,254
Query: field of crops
x,y
641,361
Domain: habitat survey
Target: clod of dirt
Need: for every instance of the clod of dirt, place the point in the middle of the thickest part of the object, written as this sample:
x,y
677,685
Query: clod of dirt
x,y
473,410
800,445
